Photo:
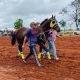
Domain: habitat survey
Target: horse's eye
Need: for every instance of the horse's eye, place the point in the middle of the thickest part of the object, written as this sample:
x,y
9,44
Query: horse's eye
x,y
53,22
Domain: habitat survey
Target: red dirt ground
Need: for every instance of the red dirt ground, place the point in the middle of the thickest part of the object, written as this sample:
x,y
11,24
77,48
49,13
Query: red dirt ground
x,y
67,68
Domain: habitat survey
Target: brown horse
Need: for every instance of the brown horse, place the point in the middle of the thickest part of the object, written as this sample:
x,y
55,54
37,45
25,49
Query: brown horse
x,y
45,26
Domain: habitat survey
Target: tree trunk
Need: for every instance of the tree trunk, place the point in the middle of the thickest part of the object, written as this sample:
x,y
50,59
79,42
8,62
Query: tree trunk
x,y
76,21
77,25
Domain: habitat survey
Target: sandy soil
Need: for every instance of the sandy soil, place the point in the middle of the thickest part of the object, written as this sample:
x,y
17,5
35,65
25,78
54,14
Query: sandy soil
x,y
67,68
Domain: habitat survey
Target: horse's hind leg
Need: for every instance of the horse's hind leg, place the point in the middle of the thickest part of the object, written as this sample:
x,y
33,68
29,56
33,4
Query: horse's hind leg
x,y
20,44
20,52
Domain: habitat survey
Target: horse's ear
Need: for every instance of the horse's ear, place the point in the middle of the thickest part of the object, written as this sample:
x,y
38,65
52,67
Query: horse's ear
x,y
52,16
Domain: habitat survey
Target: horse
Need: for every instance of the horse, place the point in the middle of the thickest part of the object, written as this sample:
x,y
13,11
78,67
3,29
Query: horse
x,y
44,27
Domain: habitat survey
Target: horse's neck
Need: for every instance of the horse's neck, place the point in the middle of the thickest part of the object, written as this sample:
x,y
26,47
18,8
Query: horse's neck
x,y
39,29
43,25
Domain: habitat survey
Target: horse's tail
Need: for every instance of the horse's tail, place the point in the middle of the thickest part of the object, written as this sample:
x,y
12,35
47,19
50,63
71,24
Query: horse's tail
x,y
13,40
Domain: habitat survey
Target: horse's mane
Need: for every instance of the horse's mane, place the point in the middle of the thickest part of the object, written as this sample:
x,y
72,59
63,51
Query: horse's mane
x,y
43,21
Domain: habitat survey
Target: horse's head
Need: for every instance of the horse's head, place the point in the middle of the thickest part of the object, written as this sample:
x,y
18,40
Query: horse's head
x,y
54,24
47,24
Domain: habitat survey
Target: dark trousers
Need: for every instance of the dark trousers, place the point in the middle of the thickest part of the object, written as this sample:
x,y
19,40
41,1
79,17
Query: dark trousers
x,y
42,46
34,52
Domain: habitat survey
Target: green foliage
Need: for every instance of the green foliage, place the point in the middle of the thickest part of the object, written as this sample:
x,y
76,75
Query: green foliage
x,y
18,23
5,33
62,23
64,11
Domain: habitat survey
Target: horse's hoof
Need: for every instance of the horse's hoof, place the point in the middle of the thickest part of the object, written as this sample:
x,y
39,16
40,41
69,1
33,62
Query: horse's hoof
x,y
17,56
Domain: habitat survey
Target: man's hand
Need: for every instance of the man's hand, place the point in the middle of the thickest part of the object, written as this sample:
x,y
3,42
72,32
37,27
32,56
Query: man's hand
x,y
22,46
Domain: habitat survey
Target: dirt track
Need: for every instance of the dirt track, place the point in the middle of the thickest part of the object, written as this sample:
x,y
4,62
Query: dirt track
x,y
67,68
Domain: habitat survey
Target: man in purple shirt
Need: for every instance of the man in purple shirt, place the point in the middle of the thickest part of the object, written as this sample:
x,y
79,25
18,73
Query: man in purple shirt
x,y
31,37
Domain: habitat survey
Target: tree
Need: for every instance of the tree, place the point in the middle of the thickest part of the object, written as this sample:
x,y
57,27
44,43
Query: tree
x,y
78,21
62,23
74,13
18,23
75,16
79,1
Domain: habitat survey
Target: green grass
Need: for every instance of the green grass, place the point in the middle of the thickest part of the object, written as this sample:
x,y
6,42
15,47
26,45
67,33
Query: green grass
x,y
67,32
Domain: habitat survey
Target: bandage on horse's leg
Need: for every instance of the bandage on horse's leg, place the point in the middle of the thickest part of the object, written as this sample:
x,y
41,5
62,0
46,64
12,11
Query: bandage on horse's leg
x,y
39,55
20,53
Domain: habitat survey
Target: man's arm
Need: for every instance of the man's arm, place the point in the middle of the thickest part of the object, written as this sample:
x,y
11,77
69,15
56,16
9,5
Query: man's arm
x,y
58,35
25,40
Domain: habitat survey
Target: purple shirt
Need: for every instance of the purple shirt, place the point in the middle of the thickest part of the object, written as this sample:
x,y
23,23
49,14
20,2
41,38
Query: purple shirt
x,y
52,35
32,39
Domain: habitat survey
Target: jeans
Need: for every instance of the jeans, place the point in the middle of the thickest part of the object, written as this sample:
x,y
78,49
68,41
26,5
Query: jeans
x,y
34,52
52,47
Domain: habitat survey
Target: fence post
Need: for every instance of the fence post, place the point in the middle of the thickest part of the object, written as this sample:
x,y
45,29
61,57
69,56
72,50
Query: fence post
x,y
73,32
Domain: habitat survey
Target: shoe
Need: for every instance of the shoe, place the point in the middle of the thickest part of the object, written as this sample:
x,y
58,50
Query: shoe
x,y
39,65
24,61
57,59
